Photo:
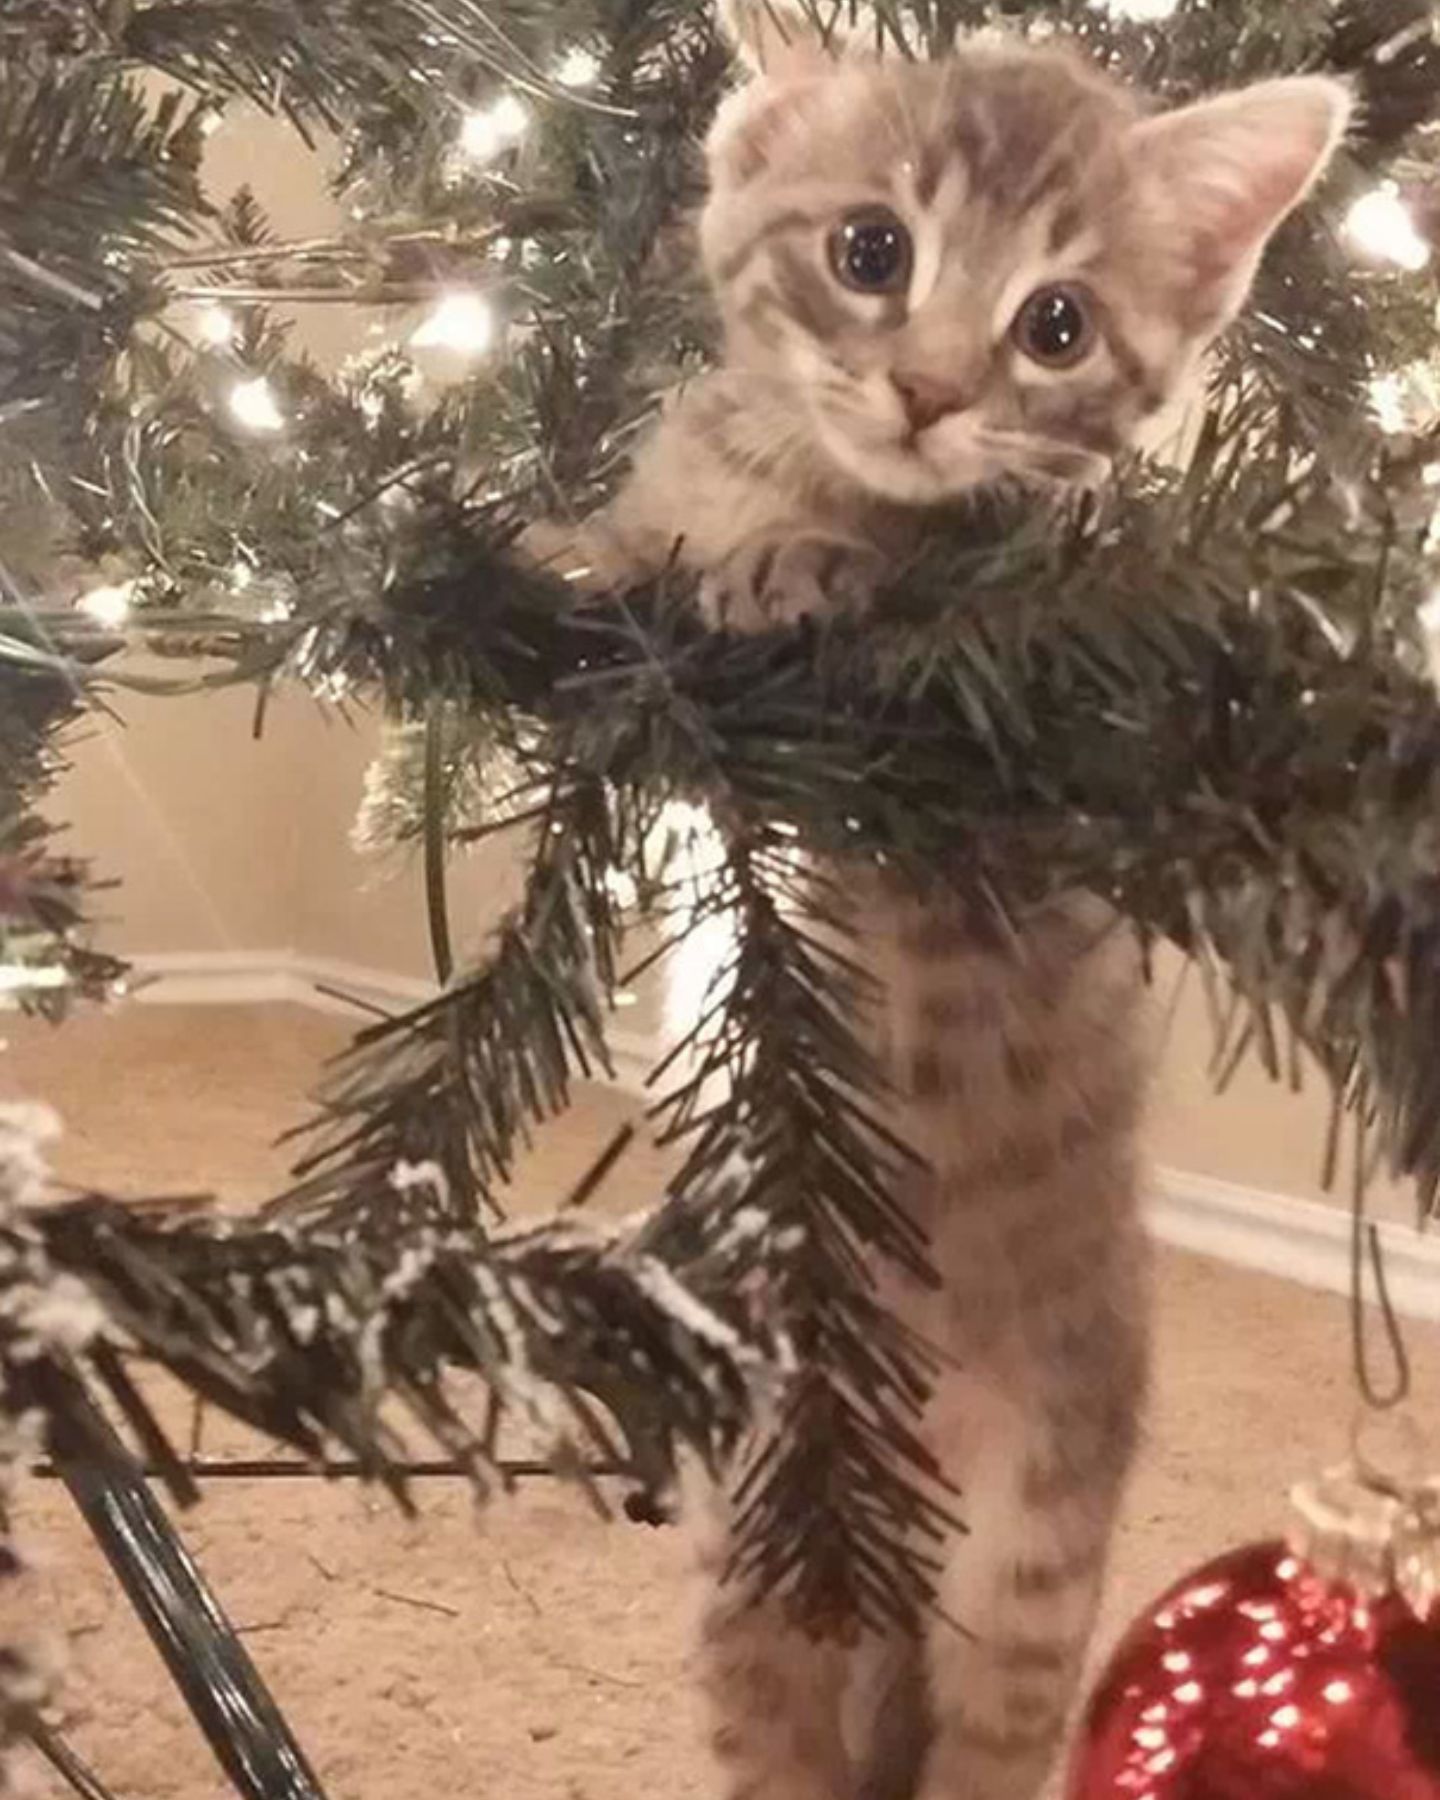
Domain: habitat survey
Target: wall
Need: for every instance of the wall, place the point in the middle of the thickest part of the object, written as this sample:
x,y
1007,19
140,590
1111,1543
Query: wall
x,y
1257,1134
223,843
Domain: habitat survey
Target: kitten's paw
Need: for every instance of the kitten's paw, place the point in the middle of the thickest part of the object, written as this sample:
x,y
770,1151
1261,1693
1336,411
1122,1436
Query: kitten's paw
x,y
588,553
765,583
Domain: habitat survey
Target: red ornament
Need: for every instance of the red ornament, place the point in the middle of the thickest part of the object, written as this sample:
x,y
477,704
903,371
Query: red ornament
x,y
1259,1678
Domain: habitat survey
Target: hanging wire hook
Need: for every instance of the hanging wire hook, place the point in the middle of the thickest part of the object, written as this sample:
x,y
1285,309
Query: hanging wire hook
x,y
1394,1465
1365,1242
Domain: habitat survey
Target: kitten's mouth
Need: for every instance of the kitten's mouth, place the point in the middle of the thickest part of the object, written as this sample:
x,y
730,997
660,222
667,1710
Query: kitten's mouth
x,y
910,467
936,464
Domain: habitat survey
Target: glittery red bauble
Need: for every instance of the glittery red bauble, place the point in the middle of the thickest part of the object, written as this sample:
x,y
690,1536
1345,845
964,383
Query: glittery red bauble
x,y
1253,1679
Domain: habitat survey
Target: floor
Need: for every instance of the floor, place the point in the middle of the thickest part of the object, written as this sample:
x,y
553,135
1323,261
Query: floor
x,y
532,1649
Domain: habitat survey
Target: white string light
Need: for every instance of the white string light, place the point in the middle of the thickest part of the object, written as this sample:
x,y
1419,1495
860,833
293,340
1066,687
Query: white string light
x,y
27,978
577,68
461,321
1428,619
253,405
109,605
487,130
694,967
1406,399
1380,225
1387,402
216,325
1141,12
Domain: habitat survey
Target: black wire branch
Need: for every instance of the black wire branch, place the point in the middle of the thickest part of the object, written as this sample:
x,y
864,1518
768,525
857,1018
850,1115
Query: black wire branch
x,y
329,1343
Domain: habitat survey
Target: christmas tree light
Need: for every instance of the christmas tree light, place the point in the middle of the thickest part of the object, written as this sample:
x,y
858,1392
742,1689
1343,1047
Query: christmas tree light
x,y
253,404
1380,225
217,326
25,978
1141,11
487,131
577,68
108,605
461,321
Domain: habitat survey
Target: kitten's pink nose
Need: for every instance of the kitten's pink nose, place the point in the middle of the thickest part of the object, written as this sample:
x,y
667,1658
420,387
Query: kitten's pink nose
x,y
929,398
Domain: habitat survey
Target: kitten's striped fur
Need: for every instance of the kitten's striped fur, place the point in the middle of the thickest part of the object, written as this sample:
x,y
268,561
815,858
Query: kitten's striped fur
x,y
788,477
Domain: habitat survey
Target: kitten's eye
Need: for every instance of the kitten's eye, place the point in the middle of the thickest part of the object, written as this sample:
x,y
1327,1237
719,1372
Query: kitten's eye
x,y
871,252
1056,326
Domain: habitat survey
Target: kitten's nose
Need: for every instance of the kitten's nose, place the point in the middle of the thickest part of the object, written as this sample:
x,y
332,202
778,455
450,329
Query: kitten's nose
x,y
929,398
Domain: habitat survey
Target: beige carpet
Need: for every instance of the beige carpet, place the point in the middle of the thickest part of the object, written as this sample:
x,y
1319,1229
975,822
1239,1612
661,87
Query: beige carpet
x,y
533,1650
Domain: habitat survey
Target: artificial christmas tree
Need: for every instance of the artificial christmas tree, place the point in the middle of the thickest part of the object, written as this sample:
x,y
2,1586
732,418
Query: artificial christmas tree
x,y
1202,694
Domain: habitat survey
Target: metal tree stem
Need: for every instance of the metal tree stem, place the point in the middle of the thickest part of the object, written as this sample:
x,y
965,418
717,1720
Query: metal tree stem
x,y
66,1763
207,1661
437,906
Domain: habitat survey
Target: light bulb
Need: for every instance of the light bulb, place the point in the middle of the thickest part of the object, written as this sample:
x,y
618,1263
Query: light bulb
x,y
1427,617
216,325
461,321
1141,12
488,130
1380,225
1387,402
23,978
1406,399
577,68
109,605
253,405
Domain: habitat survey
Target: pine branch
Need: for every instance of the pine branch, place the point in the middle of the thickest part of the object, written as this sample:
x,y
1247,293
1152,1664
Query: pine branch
x,y
43,896
837,1493
495,1052
988,733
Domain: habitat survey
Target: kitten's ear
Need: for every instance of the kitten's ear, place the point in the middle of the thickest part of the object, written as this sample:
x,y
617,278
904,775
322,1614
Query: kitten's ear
x,y
780,38
790,50
1226,172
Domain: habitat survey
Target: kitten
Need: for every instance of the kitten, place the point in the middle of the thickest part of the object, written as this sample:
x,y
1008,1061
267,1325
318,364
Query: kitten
x,y
932,276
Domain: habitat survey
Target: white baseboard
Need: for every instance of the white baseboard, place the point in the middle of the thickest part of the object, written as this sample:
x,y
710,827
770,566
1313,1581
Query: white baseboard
x,y
1297,1239
349,990
270,977
1276,1233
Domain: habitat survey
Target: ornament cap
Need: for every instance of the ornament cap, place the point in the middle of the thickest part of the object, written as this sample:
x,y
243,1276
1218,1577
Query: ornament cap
x,y
1351,1527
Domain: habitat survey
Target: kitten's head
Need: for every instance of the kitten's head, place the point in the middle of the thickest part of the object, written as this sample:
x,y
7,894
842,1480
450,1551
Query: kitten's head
x,y
993,264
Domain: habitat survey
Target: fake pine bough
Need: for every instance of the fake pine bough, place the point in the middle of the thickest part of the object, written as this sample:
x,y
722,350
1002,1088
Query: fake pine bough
x,y
1196,694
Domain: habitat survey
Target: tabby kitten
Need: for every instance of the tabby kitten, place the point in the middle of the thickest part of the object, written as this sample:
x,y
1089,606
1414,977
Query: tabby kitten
x,y
934,275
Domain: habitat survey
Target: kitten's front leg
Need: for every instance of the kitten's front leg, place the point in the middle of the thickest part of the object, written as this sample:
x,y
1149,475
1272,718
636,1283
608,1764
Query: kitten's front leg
x,y
771,580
